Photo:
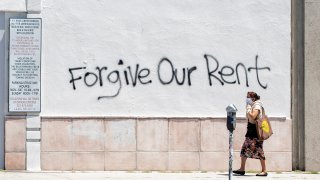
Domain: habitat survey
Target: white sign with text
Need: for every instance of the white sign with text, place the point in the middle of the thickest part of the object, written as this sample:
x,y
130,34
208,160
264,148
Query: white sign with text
x,y
25,65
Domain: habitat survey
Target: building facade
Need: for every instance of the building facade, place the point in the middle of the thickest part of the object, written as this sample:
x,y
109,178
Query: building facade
x,y
143,85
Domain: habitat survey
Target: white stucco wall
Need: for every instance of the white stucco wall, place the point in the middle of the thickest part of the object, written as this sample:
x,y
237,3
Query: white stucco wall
x,y
90,34
13,5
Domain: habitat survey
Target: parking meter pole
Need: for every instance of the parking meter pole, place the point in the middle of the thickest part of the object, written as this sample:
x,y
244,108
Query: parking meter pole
x,y
230,153
231,125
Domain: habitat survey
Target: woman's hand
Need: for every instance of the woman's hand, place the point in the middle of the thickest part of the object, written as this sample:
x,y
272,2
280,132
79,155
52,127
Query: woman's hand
x,y
252,113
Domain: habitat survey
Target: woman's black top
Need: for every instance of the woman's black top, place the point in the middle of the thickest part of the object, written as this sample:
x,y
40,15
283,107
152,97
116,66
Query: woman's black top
x,y
251,131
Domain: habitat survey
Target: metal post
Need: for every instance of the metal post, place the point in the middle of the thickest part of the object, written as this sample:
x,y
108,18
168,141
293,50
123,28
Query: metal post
x,y
230,153
231,126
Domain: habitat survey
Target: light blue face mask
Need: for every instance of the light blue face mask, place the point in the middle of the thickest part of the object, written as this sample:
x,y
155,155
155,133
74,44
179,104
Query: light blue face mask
x,y
249,101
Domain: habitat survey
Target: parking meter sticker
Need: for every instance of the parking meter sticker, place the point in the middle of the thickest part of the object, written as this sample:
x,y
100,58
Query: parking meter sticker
x,y
265,126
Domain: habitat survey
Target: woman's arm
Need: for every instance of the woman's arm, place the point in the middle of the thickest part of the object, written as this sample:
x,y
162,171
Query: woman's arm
x,y
252,113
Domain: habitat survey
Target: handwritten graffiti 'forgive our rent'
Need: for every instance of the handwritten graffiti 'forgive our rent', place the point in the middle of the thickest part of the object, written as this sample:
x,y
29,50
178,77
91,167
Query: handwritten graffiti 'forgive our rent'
x,y
167,74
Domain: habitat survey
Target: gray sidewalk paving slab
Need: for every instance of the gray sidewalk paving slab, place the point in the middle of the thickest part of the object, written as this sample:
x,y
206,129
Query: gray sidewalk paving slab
x,y
5,175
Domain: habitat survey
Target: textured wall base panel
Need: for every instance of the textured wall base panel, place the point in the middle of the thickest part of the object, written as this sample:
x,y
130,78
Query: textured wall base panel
x,y
15,143
160,144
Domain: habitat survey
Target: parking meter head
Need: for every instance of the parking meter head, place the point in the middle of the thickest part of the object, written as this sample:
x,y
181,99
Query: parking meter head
x,y
231,117
231,108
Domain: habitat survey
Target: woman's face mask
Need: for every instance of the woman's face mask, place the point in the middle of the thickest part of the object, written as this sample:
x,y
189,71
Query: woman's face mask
x,y
249,101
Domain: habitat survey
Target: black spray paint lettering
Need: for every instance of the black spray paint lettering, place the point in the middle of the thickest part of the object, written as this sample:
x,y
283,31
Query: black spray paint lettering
x,y
174,73
92,82
72,77
116,80
131,75
228,71
136,75
257,69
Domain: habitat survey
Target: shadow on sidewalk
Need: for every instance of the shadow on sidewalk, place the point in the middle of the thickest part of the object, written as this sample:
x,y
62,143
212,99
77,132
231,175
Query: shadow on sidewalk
x,y
249,175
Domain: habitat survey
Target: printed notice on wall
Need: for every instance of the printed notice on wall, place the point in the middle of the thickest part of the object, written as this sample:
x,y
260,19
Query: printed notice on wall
x,y
24,65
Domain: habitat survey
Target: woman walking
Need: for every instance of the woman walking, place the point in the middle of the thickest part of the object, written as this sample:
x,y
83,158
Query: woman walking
x,y
252,147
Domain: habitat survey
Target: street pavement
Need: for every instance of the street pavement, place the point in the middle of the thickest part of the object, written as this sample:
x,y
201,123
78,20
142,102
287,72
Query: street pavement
x,y
133,175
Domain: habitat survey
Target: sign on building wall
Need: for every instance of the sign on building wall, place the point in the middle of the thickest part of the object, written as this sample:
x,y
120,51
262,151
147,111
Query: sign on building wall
x,y
25,65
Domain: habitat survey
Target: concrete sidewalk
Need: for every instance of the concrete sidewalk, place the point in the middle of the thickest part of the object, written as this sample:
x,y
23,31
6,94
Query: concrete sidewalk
x,y
7,175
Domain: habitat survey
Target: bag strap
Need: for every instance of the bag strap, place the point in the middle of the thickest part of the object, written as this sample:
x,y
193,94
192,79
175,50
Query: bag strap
x,y
263,112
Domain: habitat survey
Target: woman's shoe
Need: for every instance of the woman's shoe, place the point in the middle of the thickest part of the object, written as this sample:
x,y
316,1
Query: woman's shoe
x,y
239,172
262,174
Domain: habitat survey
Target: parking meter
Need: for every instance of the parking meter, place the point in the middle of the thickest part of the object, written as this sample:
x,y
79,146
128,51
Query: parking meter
x,y
231,117
231,125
